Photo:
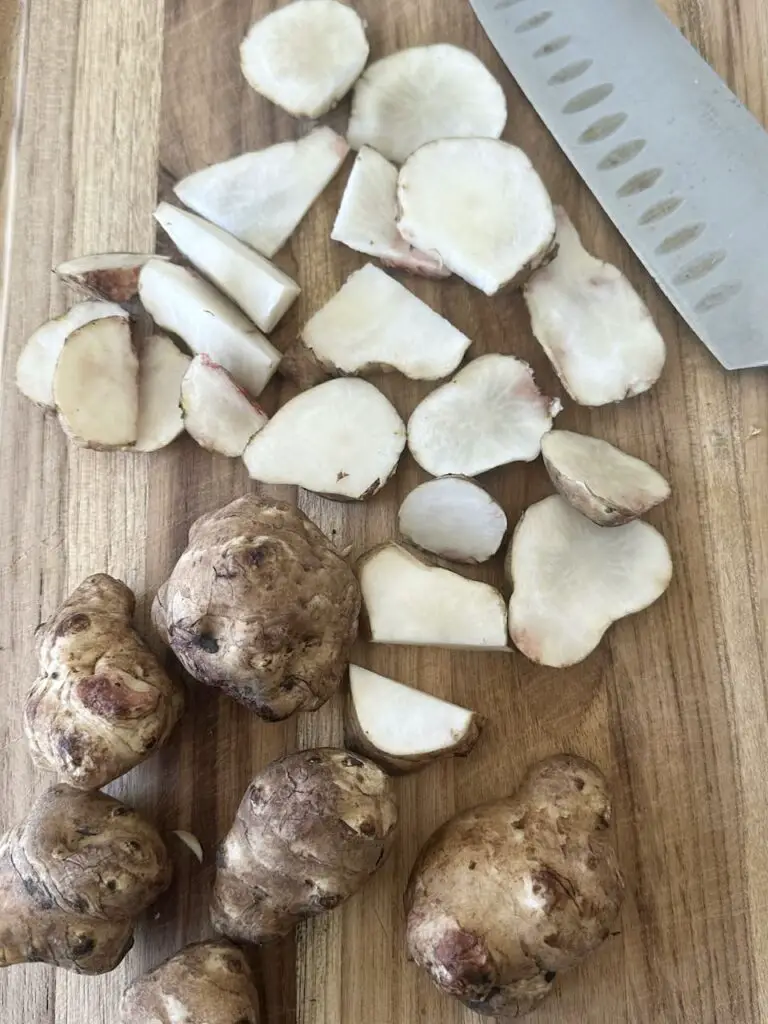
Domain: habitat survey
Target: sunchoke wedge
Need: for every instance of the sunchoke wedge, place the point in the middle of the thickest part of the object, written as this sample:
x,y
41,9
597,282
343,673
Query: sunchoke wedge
x,y
261,197
217,413
506,895
408,600
573,579
428,92
102,702
261,606
480,207
403,729
74,877
453,517
367,218
373,323
112,276
592,324
491,413
305,56
342,438
161,369
310,831
602,482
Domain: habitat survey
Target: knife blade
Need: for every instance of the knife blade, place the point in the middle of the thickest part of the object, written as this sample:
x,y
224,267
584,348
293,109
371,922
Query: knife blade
x,y
676,161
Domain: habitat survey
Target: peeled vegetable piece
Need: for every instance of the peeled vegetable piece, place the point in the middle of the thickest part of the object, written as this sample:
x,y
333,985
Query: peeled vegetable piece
x,y
367,218
454,518
211,325
305,56
96,385
573,579
403,729
506,895
428,92
161,369
491,413
373,322
74,877
342,439
261,606
217,413
261,197
311,830
592,324
112,276
602,482
262,291
409,601
205,983
102,702
38,359
480,207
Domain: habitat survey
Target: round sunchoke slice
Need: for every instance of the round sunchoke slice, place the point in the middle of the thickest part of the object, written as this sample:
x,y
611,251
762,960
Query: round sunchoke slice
x,y
491,413
305,56
261,606
480,207
454,518
205,983
600,481
422,94
311,830
102,702
548,851
573,579
74,877
161,370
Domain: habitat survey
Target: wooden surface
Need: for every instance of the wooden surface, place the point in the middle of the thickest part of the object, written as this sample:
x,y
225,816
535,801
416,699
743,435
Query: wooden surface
x,y
121,97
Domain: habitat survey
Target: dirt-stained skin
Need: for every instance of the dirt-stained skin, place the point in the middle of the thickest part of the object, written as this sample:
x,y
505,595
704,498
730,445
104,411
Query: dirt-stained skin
x,y
506,895
310,830
261,606
102,702
74,877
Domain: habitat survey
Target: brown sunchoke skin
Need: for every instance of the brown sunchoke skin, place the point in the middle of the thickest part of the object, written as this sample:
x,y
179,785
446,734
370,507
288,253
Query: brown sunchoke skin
x,y
261,606
309,832
206,983
102,702
547,849
74,876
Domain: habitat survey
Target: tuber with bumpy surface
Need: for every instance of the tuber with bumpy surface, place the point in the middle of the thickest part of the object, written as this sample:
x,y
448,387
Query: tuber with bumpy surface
x,y
310,831
74,877
261,606
102,702
217,413
205,983
454,518
112,276
506,895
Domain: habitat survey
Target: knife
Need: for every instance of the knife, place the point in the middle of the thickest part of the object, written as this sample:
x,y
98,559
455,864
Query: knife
x,y
676,161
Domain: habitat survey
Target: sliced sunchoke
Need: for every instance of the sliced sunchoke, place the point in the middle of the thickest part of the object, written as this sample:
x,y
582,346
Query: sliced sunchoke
x,y
602,482
211,325
373,323
403,729
480,207
217,413
573,579
410,601
428,92
112,276
342,438
592,324
74,877
161,369
261,197
305,56
454,518
491,413
367,217
262,291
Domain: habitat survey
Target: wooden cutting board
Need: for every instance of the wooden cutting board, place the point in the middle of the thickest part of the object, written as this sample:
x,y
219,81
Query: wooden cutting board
x,y
103,104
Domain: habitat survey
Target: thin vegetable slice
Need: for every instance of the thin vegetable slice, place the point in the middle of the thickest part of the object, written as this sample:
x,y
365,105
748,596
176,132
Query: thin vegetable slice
x,y
161,369
217,413
111,276
453,518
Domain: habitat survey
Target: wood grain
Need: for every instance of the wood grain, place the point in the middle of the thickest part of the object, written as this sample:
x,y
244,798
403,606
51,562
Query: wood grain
x,y
120,98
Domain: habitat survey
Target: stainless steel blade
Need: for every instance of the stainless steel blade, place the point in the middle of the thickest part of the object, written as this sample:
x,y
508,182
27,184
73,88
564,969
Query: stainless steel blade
x,y
679,165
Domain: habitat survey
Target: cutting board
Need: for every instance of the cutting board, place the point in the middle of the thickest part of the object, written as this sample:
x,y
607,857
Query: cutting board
x,y
104,104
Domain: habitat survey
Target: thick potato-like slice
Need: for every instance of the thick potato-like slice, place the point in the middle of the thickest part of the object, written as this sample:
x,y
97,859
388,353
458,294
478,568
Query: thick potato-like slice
x,y
453,518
